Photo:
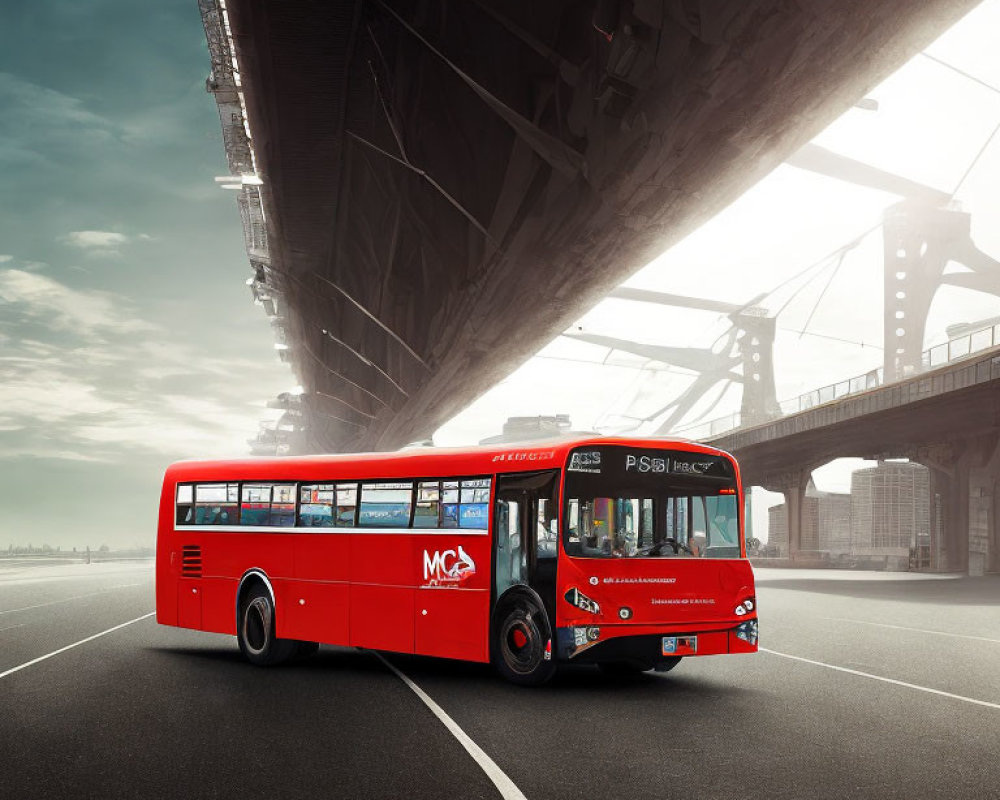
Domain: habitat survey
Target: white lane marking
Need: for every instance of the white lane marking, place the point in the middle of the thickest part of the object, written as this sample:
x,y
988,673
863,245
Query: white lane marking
x,y
918,630
67,599
11,627
893,681
33,661
504,784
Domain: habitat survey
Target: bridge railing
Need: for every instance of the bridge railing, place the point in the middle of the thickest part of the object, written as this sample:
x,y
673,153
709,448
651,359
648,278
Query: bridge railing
x,y
961,347
953,350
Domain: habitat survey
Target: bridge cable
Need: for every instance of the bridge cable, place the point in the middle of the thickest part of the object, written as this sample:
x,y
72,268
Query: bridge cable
x,y
823,262
822,294
975,161
961,72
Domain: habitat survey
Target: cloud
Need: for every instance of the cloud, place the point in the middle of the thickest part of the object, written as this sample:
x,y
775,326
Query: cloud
x,y
4,258
95,239
82,379
53,305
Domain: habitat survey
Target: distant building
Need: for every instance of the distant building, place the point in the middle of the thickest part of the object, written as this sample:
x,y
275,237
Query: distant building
x,y
890,509
826,523
885,516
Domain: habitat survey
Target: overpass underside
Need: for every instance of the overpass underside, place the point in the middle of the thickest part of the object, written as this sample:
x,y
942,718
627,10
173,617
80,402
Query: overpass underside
x,y
448,185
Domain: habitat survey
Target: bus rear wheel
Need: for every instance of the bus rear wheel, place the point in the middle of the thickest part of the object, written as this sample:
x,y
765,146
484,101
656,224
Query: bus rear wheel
x,y
521,644
255,630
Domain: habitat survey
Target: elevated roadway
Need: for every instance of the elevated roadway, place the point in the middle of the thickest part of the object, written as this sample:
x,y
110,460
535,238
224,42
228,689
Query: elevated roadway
x,y
439,188
947,419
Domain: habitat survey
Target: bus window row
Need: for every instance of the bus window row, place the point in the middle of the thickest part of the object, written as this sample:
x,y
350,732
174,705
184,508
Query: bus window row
x,y
383,504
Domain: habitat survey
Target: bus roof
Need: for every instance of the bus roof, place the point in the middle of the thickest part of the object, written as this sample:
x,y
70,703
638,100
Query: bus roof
x,y
440,462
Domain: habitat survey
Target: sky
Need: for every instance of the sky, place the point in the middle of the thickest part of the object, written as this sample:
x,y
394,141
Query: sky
x,y
128,339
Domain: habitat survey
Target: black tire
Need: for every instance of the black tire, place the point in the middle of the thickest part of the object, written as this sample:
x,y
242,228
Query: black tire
x,y
255,630
623,669
520,638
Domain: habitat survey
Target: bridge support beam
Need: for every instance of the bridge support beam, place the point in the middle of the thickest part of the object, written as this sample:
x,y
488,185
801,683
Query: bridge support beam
x,y
983,484
793,486
965,499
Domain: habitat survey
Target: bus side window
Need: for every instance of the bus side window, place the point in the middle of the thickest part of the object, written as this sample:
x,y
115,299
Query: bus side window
x,y
185,504
386,505
347,504
316,505
449,504
216,504
282,506
428,511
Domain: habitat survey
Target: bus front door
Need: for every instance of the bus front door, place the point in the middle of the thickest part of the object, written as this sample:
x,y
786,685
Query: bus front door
x,y
524,536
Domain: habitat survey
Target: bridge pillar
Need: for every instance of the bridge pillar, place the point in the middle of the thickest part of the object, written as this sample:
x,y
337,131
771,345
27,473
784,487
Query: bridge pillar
x,y
793,486
983,484
965,501
949,518
755,344
918,241
949,504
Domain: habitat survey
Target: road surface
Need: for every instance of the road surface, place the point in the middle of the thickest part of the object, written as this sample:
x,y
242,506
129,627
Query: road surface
x,y
871,685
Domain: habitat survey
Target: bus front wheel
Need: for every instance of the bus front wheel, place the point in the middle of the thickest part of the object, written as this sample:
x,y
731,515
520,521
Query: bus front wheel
x,y
255,630
521,651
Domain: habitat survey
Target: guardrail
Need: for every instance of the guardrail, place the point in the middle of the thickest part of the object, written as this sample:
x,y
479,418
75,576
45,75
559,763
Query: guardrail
x,y
951,351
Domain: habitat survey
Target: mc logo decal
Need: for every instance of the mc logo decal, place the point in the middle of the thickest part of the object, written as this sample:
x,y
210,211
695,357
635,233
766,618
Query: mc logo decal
x,y
448,567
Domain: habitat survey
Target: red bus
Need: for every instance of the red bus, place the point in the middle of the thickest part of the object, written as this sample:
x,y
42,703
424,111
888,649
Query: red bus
x,y
625,553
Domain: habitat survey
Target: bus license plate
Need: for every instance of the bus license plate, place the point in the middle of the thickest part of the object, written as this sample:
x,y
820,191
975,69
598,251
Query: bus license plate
x,y
674,644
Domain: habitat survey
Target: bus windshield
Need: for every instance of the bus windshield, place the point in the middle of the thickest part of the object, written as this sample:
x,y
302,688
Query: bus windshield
x,y
659,504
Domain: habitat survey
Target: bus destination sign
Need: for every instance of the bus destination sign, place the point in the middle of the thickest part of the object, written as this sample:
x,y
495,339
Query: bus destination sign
x,y
633,462
654,464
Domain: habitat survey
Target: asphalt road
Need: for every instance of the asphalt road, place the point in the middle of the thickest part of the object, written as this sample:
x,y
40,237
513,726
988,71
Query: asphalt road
x,y
880,708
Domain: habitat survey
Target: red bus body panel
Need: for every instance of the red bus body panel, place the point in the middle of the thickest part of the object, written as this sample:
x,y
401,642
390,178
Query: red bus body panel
x,y
368,587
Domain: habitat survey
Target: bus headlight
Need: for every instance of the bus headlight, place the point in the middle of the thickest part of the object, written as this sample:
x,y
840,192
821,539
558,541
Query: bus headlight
x,y
577,598
745,607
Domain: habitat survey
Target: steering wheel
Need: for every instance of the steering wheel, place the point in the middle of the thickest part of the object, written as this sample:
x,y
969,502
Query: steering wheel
x,y
678,546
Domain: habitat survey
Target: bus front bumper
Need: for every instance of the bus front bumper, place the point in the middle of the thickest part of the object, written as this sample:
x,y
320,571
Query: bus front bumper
x,y
653,644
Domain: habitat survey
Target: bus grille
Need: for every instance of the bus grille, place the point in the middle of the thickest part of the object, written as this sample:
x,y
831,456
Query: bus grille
x,y
191,561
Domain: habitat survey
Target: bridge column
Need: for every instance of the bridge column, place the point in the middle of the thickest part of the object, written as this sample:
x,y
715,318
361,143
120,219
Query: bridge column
x,y
983,484
965,498
793,486
949,509
918,241
939,487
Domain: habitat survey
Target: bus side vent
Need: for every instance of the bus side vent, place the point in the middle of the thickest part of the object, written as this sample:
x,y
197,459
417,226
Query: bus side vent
x,y
191,561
